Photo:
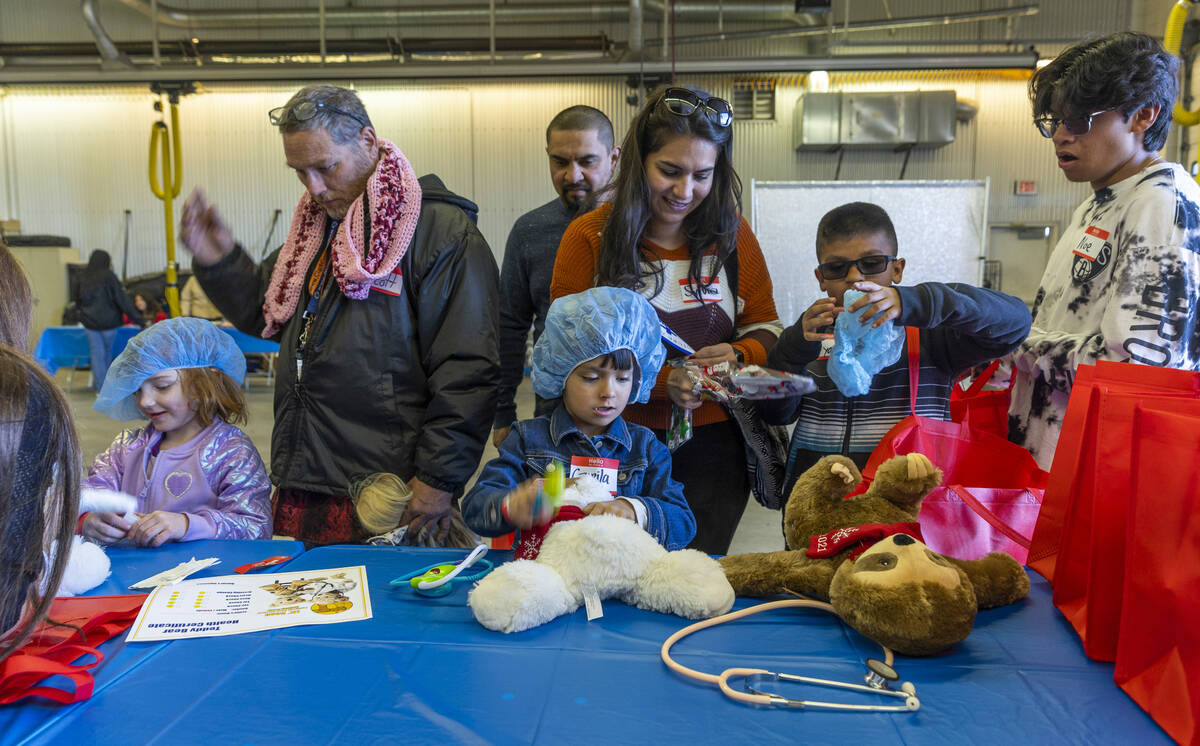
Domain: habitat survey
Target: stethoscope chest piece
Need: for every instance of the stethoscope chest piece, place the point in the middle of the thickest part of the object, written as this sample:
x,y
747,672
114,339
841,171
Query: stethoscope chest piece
x,y
434,580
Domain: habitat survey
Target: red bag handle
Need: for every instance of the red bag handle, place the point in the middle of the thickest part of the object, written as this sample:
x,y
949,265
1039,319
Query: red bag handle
x,y
981,380
22,669
913,335
987,515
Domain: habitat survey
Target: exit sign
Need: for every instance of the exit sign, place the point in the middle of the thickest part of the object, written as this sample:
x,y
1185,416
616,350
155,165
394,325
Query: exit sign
x,y
1025,187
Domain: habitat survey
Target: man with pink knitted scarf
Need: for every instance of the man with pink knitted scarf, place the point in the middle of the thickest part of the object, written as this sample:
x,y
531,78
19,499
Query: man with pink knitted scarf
x,y
383,299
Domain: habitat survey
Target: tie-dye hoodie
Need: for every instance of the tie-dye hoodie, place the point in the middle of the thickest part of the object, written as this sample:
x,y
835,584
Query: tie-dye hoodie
x,y
1121,284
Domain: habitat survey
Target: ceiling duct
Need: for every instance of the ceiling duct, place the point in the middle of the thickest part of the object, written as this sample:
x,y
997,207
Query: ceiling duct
x,y
110,56
439,14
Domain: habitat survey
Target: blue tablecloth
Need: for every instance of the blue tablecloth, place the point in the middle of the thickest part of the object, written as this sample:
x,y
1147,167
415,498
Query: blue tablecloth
x,y
67,346
423,671
26,721
252,345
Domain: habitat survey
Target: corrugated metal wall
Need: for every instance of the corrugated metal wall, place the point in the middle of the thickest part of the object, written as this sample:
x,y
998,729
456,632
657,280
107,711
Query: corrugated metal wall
x,y
73,159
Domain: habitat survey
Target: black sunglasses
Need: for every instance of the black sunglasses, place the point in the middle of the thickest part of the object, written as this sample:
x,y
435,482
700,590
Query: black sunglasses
x,y
1074,125
306,110
684,103
868,265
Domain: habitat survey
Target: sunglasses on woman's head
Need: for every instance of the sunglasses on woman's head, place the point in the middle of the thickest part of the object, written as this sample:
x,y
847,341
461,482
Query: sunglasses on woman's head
x,y
867,265
304,111
1074,125
682,102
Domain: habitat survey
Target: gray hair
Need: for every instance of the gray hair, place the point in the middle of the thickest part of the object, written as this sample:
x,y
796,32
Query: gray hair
x,y
340,113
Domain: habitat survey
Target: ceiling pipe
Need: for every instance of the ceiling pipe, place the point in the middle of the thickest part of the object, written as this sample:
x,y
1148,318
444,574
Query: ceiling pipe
x,y
611,11
12,74
110,56
895,23
635,29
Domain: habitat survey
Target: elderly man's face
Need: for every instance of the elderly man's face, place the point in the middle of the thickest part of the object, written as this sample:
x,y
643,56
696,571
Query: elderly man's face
x,y
333,173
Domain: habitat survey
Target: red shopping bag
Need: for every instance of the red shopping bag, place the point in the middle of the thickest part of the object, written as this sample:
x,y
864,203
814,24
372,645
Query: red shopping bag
x,y
1074,457
1159,644
72,630
1002,478
982,410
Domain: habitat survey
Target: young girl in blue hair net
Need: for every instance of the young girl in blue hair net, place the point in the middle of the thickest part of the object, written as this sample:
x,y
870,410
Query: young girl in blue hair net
x,y
194,473
600,350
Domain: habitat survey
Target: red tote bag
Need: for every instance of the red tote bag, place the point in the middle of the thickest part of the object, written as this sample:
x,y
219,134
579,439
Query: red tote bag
x,y
982,410
1072,470
1158,650
83,622
991,488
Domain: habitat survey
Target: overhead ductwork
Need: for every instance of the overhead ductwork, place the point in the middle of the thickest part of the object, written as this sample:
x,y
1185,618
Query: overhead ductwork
x,y
110,56
447,15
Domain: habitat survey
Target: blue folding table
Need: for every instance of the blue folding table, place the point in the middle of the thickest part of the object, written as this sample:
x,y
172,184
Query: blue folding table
x,y
423,671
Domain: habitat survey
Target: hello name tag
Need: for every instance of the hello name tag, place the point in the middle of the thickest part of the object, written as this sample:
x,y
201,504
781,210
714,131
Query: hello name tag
x,y
707,293
603,470
1092,243
391,284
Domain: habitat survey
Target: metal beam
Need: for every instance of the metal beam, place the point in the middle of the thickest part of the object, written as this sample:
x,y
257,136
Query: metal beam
x,y
212,72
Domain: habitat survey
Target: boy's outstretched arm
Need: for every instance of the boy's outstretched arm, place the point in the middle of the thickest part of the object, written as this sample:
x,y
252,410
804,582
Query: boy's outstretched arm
x,y
967,325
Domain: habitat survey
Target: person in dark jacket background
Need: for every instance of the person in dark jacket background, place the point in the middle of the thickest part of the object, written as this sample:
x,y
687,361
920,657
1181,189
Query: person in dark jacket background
x,y
384,301
102,301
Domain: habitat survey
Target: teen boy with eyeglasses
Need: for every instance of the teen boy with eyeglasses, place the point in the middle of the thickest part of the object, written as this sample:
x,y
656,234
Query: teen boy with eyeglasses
x,y
960,326
1122,282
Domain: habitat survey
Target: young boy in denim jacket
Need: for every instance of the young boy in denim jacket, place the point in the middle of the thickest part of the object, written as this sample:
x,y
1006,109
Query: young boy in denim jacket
x,y
600,349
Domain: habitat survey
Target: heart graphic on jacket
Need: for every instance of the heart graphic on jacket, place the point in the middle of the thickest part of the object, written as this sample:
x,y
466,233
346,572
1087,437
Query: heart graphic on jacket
x,y
178,483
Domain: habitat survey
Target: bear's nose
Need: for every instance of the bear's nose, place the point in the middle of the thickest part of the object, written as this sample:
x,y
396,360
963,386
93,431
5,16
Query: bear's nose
x,y
903,539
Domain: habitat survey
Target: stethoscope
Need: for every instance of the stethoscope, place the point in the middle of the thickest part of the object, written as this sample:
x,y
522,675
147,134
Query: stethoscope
x,y
879,673
434,580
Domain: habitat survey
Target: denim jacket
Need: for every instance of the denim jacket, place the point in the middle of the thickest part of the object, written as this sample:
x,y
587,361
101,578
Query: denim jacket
x,y
644,473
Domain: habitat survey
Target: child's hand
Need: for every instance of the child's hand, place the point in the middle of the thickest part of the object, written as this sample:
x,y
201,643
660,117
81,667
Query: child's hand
x,y
818,316
104,528
519,505
619,507
882,300
157,528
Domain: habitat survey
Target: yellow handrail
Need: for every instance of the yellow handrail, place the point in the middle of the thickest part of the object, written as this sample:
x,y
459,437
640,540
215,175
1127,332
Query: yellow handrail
x,y
1172,38
167,191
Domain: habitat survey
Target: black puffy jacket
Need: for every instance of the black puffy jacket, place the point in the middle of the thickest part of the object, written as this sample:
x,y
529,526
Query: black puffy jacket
x,y
101,301
398,383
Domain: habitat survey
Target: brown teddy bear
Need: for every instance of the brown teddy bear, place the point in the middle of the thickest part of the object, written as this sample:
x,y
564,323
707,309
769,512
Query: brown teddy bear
x,y
896,591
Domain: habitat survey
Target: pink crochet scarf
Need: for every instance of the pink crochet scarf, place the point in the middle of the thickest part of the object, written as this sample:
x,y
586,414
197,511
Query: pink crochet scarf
x,y
394,198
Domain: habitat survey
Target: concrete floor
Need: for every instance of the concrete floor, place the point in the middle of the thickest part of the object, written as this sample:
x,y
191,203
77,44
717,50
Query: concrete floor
x,y
759,530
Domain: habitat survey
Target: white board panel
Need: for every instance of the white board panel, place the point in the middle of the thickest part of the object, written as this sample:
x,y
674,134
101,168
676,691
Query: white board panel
x,y
940,227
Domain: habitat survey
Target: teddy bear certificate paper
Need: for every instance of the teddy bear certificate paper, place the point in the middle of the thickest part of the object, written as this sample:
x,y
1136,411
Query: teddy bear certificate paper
x,y
232,604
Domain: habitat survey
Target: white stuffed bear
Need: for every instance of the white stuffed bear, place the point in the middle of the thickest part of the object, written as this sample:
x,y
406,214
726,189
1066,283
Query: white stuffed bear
x,y
88,566
610,556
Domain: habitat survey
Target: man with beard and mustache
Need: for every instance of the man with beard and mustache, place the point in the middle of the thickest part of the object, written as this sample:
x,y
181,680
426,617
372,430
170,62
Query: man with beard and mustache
x,y
580,146
383,300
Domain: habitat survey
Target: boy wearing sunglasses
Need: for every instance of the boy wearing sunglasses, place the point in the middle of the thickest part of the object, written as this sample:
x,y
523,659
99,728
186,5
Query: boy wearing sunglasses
x,y
961,326
1123,280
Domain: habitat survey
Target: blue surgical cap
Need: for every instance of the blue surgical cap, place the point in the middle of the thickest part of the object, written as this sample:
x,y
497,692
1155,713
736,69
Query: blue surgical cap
x,y
174,343
597,322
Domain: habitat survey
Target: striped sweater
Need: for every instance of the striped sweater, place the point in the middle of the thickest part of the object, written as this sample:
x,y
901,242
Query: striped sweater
x,y
961,326
714,320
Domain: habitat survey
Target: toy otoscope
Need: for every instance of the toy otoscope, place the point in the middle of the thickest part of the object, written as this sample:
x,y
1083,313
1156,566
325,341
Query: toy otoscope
x,y
554,483
434,580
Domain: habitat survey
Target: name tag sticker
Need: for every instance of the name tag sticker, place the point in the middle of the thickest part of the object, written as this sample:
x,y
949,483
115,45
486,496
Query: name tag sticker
x,y
708,293
1092,243
603,470
390,285
671,339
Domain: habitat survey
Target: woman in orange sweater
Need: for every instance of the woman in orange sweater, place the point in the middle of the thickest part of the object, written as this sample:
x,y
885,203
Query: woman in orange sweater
x,y
674,232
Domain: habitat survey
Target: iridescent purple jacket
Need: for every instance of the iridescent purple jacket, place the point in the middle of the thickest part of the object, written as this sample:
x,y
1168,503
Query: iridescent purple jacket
x,y
217,479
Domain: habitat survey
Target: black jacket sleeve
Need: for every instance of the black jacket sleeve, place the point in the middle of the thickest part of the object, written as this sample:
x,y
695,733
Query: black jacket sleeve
x,y
237,286
456,305
966,325
792,354
121,300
